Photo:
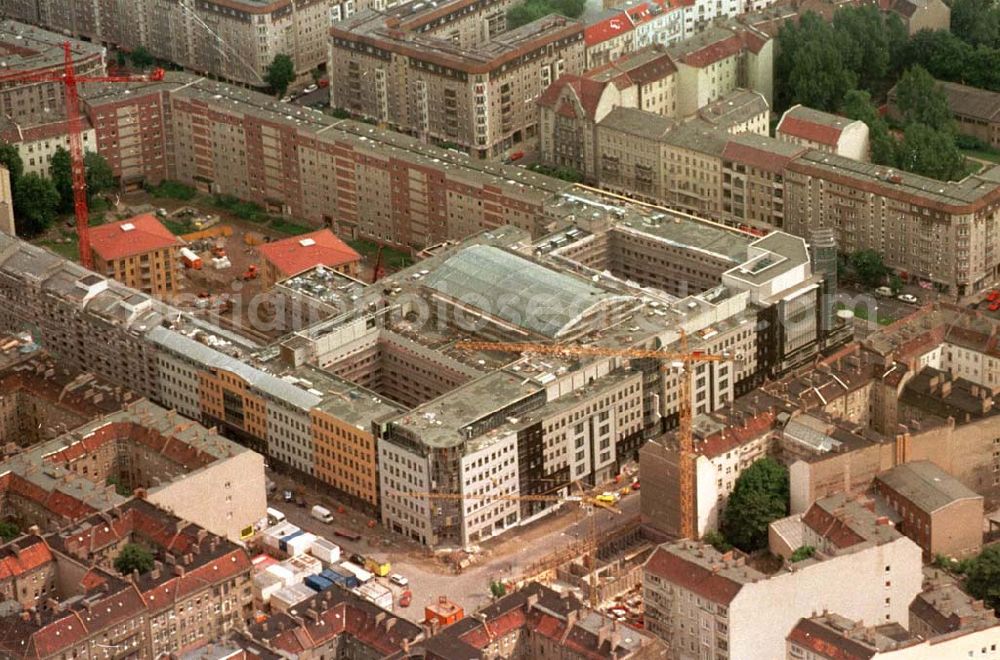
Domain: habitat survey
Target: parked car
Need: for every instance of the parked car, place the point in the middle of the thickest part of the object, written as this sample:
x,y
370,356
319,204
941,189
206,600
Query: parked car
x,y
994,306
635,485
607,497
310,89
347,534
398,579
908,298
288,496
993,295
357,559
883,291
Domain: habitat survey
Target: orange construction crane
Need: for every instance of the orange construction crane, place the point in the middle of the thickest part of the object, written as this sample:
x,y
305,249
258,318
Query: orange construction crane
x,y
582,498
70,80
688,526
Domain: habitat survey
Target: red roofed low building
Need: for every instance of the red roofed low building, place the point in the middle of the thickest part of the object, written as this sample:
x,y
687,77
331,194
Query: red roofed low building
x,y
139,252
824,131
709,604
77,605
291,256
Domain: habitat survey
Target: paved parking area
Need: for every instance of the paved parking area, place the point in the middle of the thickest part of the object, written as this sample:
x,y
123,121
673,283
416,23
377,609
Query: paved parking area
x,y
429,578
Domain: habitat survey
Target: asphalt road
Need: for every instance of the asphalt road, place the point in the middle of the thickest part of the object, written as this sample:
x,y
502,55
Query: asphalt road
x,y
510,554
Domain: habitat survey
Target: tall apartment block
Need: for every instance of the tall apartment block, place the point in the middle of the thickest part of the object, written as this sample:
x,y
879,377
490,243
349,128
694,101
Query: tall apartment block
x,y
372,399
29,50
230,39
451,72
352,177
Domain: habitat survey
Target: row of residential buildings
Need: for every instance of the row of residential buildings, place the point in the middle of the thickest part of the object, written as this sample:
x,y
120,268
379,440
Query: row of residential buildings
x,y
231,39
707,604
658,144
372,399
718,161
908,412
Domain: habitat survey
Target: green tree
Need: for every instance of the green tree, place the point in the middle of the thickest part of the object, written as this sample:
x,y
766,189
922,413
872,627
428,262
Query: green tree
x,y
134,557
100,177
869,267
9,531
858,105
921,99
61,174
810,67
801,553
497,589
280,73
895,283
930,153
982,576
717,541
11,159
759,497
120,58
532,10
36,203
120,488
865,44
141,58
976,22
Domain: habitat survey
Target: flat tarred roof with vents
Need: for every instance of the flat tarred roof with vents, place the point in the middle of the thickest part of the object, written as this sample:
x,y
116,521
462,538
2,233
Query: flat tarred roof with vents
x,y
294,255
127,238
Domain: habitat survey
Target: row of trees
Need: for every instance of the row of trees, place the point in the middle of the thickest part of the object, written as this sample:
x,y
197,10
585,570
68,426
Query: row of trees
x,y
532,10
39,200
844,65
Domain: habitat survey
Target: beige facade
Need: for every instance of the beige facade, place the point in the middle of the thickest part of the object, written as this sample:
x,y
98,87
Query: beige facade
x,y
925,229
6,203
469,82
37,144
231,39
708,605
824,131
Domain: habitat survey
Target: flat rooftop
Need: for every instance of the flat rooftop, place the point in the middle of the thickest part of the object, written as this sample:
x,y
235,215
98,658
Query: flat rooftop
x,y
24,47
970,190
691,233
439,423
343,399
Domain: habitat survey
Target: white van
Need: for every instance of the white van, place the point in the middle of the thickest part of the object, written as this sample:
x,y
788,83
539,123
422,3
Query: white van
x,y
322,514
274,516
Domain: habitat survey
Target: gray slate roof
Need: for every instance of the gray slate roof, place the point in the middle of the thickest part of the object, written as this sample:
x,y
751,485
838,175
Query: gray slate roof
x,y
926,485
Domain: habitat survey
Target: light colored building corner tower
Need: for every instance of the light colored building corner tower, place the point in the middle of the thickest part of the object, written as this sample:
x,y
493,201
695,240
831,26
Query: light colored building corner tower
x,y
6,203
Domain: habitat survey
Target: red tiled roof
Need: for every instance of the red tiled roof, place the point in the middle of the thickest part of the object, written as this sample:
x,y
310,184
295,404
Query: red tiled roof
x,y
825,642
507,622
716,52
112,241
587,92
691,576
608,28
807,130
830,527
26,559
291,257
735,436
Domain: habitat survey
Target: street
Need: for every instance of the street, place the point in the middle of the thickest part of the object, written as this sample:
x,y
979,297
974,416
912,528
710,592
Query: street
x,y
430,578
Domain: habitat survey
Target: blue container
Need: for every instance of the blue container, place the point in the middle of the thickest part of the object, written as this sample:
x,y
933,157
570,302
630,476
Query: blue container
x,y
317,583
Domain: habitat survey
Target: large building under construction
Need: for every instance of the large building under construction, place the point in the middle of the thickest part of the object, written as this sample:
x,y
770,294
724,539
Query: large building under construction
x,y
377,400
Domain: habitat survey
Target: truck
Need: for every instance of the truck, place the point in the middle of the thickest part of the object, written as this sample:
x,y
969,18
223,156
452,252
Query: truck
x,y
190,259
379,567
274,516
322,514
